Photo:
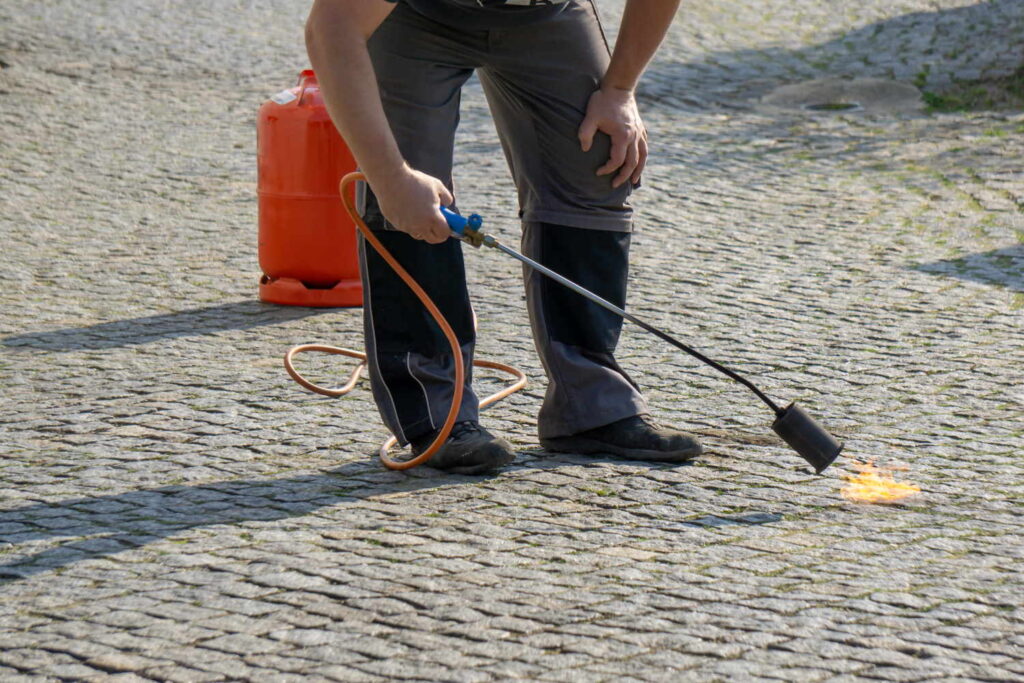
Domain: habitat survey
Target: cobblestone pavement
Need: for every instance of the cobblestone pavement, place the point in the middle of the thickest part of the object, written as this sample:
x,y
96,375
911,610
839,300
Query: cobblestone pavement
x,y
175,508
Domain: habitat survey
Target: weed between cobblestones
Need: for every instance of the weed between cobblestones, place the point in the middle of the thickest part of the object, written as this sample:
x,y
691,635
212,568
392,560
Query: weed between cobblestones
x,y
998,93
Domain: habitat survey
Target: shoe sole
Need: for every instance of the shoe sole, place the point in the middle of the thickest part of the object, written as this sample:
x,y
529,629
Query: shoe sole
x,y
582,446
481,468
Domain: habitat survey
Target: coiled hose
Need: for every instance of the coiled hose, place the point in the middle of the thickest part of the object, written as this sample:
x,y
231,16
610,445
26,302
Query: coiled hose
x,y
460,371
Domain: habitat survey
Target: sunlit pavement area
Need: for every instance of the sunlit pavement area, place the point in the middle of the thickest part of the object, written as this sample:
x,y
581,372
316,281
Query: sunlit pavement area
x,y
175,508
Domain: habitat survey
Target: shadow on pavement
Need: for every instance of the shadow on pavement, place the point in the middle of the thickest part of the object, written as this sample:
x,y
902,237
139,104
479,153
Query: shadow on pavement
x,y
714,521
1003,267
102,526
931,49
133,519
240,315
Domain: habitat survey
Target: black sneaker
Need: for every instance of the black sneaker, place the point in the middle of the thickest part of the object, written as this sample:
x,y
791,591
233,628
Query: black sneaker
x,y
633,438
470,449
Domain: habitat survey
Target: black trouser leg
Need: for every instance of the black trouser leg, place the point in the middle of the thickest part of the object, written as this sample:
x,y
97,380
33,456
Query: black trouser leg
x,y
410,360
575,337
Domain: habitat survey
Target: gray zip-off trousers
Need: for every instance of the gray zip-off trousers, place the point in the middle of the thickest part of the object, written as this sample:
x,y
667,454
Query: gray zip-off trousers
x,y
537,80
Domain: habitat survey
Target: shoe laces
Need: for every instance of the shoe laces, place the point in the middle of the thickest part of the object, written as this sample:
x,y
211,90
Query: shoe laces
x,y
461,429
650,421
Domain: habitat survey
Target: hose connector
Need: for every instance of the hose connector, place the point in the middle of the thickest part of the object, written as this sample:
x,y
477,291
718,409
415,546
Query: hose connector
x,y
473,237
465,229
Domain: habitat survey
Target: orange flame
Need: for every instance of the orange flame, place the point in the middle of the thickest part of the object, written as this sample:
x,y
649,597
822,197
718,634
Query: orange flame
x,y
876,485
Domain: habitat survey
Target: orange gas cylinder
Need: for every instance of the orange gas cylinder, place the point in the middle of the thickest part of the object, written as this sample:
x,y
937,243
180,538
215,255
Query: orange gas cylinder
x,y
307,243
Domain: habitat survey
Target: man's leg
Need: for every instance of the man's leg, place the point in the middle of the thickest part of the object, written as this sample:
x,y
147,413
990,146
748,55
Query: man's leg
x,y
420,72
576,338
538,82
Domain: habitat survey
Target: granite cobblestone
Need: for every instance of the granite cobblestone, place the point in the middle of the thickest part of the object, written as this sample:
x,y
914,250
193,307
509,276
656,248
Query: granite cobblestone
x,y
175,509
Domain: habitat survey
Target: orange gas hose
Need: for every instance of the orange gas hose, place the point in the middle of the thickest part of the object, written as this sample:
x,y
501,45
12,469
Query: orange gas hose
x,y
460,373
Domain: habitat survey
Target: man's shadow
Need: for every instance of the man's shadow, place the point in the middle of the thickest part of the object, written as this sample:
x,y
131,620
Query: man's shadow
x,y
101,526
132,519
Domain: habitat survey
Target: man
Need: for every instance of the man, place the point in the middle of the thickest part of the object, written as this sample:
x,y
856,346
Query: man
x,y
391,73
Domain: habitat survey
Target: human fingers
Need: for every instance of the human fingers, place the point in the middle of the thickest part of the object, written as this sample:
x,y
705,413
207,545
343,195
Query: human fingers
x,y
617,155
642,150
431,226
446,198
626,170
586,132
438,230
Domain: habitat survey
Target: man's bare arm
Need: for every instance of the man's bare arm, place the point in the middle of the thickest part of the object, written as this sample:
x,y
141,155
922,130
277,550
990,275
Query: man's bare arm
x,y
643,28
336,36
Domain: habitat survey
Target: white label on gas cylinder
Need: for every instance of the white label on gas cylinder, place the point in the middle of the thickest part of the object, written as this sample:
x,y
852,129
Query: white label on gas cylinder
x,y
284,97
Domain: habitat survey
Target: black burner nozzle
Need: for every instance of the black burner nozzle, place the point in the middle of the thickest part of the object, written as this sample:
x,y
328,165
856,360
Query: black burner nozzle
x,y
807,437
